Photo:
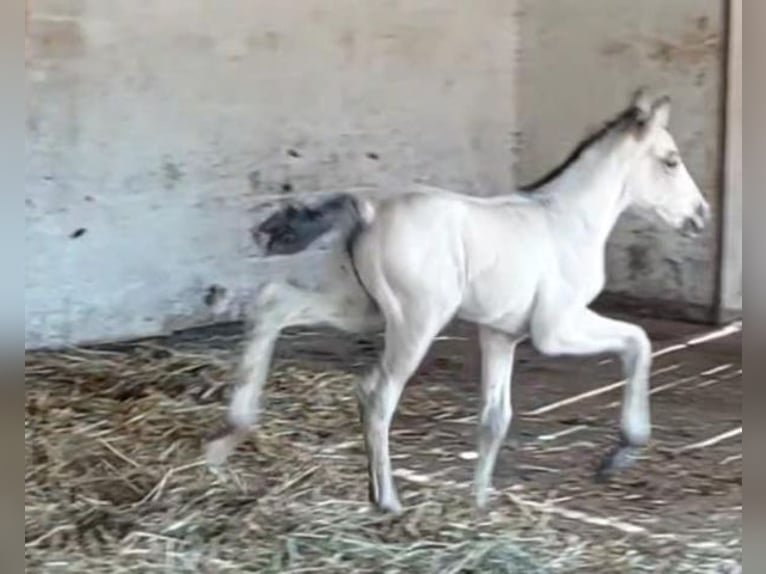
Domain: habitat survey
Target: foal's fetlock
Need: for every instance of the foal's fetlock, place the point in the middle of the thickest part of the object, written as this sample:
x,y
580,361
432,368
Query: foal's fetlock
x,y
389,505
482,487
481,499
220,444
621,457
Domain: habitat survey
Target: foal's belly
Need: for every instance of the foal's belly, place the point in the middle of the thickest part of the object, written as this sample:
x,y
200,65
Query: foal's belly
x,y
504,303
513,322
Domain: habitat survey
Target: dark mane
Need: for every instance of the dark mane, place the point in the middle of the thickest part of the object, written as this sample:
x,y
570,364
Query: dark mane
x,y
623,119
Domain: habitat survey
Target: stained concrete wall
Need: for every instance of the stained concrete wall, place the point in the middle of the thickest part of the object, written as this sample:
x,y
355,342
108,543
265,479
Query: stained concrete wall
x,y
578,62
154,128
156,132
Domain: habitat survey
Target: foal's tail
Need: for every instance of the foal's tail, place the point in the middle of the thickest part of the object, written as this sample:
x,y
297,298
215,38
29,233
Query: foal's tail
x,y
295,227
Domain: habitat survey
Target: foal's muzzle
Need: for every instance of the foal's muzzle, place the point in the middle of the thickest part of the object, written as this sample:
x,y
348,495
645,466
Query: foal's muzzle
x,y
693,225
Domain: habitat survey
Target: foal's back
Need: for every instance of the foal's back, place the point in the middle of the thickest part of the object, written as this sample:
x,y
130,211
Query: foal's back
x,y
481,258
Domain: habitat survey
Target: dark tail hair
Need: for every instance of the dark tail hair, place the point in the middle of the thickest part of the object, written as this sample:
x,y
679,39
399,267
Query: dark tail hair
x,y
295,227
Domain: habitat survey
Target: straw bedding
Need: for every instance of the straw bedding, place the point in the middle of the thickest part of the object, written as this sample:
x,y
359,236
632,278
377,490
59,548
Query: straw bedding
x,y
115,481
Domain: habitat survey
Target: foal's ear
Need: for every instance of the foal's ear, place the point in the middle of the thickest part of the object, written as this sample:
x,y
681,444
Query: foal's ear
x,y
661,112
641,104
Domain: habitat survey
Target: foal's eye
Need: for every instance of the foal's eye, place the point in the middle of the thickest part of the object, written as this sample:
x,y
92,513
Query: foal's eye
x,y
671,162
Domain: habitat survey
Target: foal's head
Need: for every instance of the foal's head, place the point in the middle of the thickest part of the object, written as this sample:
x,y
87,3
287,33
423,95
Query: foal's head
x,y
658,181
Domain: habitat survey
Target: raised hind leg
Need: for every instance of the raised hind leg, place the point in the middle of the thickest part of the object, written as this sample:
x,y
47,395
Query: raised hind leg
x,y
497,353
339,303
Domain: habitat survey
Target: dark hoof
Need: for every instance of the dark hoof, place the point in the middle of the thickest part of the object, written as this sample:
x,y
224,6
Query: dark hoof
x,y
220,432
619,459
605,470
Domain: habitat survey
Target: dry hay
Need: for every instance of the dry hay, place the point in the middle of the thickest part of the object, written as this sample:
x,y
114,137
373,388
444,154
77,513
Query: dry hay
x,y
115,481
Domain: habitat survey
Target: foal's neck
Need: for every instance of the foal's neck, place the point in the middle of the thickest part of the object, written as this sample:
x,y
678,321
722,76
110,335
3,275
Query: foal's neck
x,y
586,200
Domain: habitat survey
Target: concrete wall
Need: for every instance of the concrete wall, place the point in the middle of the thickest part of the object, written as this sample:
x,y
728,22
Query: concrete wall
x,y
157,130
154,128
578,62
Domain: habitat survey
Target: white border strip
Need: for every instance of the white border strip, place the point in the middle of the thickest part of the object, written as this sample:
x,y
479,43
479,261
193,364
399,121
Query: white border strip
x,y
593,393
731,329
725,331
712,440
549,508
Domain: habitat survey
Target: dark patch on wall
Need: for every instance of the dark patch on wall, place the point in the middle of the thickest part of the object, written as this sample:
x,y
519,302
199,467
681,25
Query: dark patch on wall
x,y
615,48
254,179
267,41
77,233
297,283
171,174
194,42
214,294
287,187
55,39
293,153
638,259
622,302
692,48
347,43
676,270
33,125
372,155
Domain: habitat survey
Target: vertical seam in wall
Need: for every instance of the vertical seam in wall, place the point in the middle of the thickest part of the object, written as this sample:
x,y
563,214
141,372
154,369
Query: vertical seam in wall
x,y
721,178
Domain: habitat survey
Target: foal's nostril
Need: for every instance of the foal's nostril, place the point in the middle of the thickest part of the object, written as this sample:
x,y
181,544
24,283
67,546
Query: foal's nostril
x,y
692,226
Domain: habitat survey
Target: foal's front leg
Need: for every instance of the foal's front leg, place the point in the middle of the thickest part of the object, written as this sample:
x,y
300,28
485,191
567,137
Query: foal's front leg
x,y
497,353
587,333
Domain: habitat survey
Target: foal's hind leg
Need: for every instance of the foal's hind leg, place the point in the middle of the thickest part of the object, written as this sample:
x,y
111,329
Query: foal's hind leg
x,y
280,305
497,352
378,395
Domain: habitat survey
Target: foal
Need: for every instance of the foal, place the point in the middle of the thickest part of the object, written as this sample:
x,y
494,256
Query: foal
x,y
519,266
